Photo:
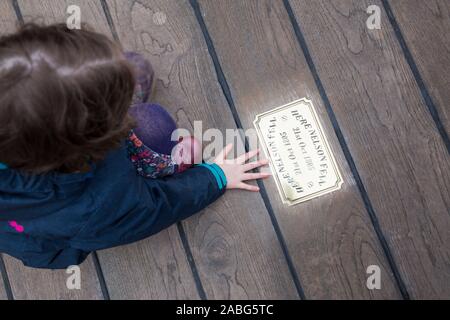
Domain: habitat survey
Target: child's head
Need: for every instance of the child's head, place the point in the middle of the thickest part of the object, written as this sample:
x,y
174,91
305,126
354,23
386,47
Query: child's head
x,y
64,98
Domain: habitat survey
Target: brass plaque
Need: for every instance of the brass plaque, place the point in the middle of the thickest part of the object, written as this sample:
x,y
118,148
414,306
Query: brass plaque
x,y
300,157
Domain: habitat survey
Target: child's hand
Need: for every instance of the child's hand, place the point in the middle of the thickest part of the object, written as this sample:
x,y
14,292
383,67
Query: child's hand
x,y
236,170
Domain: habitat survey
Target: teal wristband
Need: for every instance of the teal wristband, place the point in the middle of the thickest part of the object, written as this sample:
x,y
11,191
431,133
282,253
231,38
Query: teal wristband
x,y
221,173
3,166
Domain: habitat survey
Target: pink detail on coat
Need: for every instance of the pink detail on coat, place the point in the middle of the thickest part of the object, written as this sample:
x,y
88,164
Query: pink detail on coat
x,y
19,228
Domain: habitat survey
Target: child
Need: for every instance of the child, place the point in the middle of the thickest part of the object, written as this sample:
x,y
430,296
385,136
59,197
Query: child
x,y
74,175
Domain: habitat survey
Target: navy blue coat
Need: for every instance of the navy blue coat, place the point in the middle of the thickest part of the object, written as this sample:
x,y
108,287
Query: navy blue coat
x,y
55,220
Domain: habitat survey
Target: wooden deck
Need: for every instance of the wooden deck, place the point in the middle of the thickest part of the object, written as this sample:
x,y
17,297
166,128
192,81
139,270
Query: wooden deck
x,y
383,99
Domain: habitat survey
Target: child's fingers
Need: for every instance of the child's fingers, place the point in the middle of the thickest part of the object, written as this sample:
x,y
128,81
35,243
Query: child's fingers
x,y
254,165
248,187
246,156
255,176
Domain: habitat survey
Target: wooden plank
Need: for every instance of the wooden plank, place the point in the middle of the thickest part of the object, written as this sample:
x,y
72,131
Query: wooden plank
x,y
233,242
50,11
35,284
3,294
155,268
330,239
399,154
8,21
425,26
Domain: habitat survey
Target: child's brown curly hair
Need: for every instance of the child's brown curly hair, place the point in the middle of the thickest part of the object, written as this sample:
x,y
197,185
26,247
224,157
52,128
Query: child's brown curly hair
x,y
64,98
